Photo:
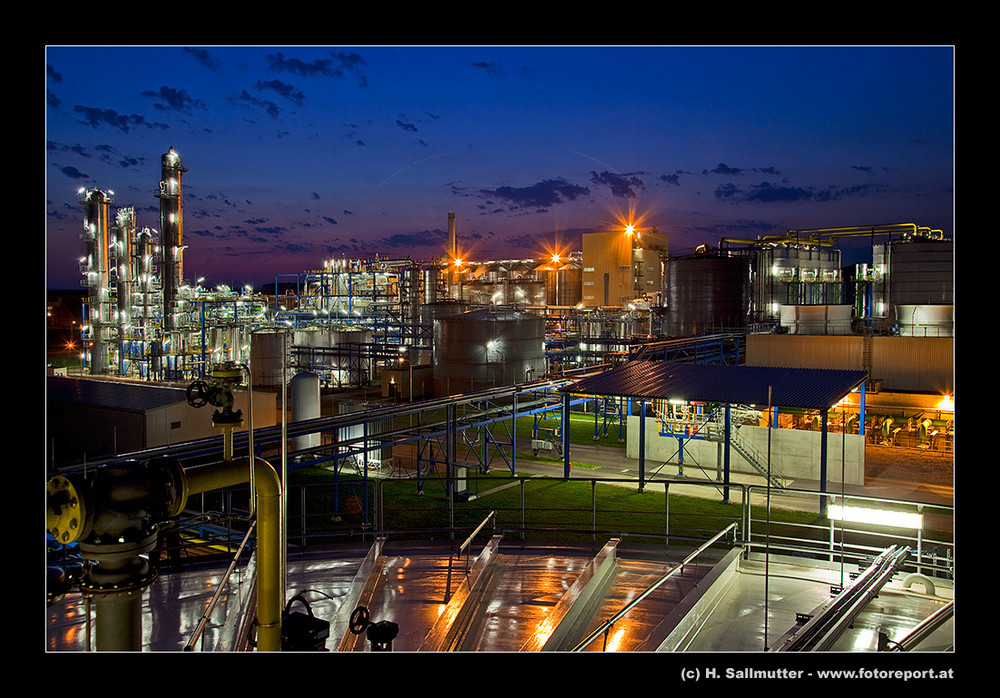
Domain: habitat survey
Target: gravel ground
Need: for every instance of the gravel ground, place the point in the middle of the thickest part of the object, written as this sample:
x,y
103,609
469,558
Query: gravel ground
x,y
910,464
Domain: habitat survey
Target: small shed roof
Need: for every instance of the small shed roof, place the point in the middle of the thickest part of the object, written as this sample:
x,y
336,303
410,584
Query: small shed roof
x,y
123,396
805,388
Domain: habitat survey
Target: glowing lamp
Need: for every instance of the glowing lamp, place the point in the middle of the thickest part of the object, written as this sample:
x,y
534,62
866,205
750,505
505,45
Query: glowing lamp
x,y
878,517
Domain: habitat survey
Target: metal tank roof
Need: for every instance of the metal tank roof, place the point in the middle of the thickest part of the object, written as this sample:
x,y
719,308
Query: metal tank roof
x,y
805,388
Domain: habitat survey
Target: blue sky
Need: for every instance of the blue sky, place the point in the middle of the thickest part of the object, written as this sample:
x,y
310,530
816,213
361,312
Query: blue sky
x,y
299,154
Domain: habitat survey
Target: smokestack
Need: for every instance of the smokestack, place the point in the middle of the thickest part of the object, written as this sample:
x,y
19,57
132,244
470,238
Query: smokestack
x,y
452,246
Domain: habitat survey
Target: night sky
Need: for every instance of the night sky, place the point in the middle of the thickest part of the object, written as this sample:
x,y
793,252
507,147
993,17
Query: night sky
x,y
299,154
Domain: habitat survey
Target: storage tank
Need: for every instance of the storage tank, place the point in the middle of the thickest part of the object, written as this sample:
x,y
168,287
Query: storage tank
x,y
816,319
486,348
563,283
330,336
305,400
915,272
792,274
266,360
926,320
704,293
379,451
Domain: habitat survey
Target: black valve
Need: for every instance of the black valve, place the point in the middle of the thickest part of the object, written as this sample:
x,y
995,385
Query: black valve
x,y
198,394
380,634
218,392
303,631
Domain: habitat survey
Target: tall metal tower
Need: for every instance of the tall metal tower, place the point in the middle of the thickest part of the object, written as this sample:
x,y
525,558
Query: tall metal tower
x,y
95,266
171,234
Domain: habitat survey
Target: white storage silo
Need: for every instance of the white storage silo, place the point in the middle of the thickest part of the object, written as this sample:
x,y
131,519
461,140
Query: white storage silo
x,y
305,401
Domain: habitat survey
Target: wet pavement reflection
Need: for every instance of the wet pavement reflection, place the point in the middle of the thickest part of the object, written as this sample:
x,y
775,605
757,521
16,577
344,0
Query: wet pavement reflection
x,y
509,605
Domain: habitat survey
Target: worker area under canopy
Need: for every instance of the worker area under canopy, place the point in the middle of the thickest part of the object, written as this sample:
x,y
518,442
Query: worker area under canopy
x,y
779,461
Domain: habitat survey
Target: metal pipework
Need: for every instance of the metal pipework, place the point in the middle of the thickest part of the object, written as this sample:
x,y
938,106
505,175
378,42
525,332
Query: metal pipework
x,y
113,515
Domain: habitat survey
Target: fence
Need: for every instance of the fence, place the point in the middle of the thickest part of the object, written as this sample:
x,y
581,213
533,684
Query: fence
x,y
794,522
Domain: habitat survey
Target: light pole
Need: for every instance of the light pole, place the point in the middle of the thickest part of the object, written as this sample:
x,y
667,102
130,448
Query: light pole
x,y
409,364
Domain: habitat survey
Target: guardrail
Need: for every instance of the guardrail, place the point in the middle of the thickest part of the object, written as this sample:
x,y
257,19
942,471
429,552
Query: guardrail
x,y
804,527
606,626
927,529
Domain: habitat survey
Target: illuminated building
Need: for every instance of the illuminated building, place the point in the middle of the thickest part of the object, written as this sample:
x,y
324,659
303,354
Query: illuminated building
x,y
622,266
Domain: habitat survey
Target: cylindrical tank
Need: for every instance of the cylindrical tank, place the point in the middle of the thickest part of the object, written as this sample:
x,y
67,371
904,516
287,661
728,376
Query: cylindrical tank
x,y
563,284
704,293
332,336
266,360
379,451
917,272
926,320
305,399
486,348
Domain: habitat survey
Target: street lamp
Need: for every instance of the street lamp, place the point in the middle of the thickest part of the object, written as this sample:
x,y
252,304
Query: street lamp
x,y
403,360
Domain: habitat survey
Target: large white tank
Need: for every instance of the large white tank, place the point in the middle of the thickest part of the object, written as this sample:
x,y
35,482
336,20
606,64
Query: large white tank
x,y
377,453
816,319
926,320
338,366
305,400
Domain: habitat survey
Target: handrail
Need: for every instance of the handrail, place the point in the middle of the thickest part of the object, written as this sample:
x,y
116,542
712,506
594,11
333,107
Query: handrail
x,y
218,592
468,541
606,625
925,628
822,630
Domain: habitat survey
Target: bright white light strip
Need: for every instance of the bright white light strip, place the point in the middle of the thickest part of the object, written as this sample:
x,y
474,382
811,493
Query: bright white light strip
x,y
879,517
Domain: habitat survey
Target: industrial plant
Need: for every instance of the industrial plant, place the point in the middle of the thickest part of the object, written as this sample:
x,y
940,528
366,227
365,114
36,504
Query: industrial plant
x,y
748,370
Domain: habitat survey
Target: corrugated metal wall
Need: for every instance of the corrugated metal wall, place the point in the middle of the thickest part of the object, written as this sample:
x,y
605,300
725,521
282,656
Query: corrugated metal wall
x,y
924,364
907,364
805,351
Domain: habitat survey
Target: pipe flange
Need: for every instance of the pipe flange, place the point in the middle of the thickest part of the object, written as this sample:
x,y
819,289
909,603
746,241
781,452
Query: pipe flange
x,y
172,483
120,567
66,518
137,582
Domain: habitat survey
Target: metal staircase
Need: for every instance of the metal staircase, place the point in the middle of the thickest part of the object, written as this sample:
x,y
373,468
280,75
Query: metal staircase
x,y
757,460
713,429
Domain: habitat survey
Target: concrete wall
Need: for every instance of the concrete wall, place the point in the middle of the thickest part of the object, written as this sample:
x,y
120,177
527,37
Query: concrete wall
x,y
795,453
180,422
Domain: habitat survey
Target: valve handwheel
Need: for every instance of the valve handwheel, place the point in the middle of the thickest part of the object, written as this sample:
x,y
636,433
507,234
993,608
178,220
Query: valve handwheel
x,y
197,394
359,620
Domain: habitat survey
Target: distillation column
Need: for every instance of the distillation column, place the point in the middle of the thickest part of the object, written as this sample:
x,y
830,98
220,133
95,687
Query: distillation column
x,y
121,252
95,267
171,234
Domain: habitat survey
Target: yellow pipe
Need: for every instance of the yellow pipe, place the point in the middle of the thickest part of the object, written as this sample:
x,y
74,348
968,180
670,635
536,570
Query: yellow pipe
x,y
270,572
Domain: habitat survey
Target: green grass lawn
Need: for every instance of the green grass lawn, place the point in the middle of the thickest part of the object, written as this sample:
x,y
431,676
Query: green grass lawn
x,y
553,508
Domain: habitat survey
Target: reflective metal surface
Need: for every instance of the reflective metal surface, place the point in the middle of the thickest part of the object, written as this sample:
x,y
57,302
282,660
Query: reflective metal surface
x,y
515,600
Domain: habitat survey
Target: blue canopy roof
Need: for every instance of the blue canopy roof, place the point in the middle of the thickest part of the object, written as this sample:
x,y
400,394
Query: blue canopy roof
x,y
805,388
